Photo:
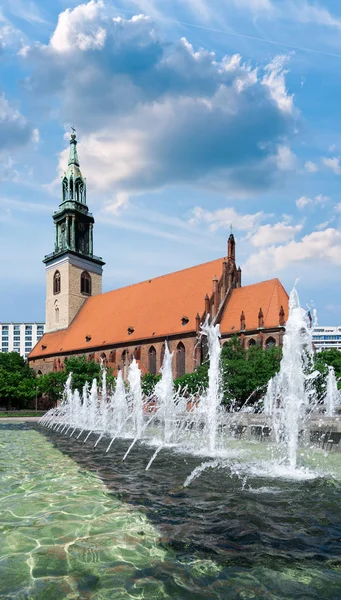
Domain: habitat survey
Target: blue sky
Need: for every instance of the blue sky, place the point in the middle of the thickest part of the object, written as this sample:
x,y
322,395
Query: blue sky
x,y
190,115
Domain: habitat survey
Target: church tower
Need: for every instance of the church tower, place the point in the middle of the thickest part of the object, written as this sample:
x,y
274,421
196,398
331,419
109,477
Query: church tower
x,y
73,273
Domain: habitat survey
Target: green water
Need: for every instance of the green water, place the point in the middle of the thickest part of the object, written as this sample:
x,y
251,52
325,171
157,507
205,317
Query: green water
x,y
78,523
63,535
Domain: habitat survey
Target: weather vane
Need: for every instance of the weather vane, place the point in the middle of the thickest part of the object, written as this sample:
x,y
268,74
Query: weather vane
x,y
73,129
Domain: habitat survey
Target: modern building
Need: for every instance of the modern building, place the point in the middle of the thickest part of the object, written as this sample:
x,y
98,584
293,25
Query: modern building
x,y
135,321
326,338
20,337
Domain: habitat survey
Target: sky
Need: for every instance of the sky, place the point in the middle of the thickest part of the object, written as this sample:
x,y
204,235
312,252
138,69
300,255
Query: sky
x,y
191,116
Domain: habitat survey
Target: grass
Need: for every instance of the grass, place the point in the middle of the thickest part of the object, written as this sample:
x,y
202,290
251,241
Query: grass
x,y
21,413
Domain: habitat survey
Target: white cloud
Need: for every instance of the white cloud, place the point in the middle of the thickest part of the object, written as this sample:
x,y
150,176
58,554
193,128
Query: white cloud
x,y
333,164
225,217
303,201
78,28
324,225
311,166
318,246
151,113
318,200
121,201
285,158
321,199
275,234
332,148
274,78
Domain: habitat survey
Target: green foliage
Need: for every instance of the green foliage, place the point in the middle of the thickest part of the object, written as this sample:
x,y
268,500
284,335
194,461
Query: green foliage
x,y
247,372
193,383
322,361
17,380
52,384
148,383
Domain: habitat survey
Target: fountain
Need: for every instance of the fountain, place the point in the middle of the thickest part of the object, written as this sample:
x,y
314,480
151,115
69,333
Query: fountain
x,y
199,423
332,397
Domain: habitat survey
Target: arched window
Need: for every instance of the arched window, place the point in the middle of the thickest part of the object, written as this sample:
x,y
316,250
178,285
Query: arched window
x,y
65,193
152,360
56,283
86,283
39,373
252,342
104,359
125,363
71,189
270,342
180,360
56,310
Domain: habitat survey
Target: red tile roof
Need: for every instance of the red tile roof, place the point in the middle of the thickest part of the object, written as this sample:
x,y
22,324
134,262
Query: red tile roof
x,y
268,295
154,308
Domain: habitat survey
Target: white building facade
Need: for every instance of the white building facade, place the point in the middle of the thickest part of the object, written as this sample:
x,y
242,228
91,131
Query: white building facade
x,y
20,337
326,338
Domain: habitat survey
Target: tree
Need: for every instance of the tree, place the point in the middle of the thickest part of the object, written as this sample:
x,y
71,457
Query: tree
x,y
52,384
148,383
17,380
246,372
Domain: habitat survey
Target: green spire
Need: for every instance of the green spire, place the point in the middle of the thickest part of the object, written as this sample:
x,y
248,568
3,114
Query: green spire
x,y
73,156
73,183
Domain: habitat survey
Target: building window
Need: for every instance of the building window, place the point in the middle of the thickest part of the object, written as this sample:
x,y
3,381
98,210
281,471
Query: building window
x,y
270,342
5,328
152,360
180,360
86,283
56,310
252,342
56,283
125,363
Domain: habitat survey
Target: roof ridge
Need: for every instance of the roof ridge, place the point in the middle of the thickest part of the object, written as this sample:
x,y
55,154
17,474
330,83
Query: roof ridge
x,y
161,276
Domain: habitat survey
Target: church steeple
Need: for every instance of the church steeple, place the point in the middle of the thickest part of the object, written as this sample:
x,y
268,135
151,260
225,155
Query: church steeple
x,y
74,185
76,272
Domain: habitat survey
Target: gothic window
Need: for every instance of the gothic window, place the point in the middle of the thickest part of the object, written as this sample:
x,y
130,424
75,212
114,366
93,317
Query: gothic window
x,y
86,283
71,189
180,360
56,283
56,310
125,363
104,358
252,342
270,342
65,194
152,360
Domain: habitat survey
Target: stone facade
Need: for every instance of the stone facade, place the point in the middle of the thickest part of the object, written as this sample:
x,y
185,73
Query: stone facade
x,y
62,307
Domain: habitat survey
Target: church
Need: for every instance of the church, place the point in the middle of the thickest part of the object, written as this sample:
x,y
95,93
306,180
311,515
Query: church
x,y
134,321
